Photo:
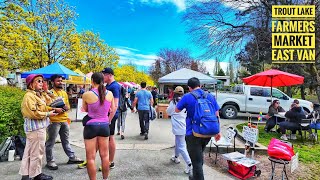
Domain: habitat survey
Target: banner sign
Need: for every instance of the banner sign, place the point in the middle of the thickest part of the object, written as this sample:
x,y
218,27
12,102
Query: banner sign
x,y
293,34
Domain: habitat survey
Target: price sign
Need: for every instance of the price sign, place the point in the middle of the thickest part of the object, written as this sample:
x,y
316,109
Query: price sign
x,y
250,134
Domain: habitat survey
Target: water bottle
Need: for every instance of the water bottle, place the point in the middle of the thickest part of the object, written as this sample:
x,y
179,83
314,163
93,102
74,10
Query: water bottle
x,y
11,155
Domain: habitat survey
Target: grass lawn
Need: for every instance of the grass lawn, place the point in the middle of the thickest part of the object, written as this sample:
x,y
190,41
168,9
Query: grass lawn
x,y
309,153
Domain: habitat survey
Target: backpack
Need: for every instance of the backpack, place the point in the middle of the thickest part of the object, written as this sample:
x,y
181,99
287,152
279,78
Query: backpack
x,y
20,144
5,146
205,123
152,114
122,100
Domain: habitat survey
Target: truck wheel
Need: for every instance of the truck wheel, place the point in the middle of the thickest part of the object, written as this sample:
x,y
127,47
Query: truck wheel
x,y
229,112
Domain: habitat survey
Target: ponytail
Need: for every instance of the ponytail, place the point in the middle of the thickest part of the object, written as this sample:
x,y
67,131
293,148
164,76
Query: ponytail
x,y
102,93
176,98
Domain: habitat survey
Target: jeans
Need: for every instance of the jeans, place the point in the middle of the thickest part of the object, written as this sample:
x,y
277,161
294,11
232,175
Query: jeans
x,y
121,121
271,122
144,120
53,129
181,148
196,146
289,126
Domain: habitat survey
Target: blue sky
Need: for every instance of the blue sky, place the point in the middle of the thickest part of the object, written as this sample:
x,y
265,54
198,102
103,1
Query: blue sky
x,y
138,29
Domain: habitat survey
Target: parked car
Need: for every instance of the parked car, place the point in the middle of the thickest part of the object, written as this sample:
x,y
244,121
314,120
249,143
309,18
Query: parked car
x,y
254,99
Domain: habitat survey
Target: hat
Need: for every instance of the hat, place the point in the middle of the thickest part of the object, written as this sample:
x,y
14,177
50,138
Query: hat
x,y
31,77
179,90
107,71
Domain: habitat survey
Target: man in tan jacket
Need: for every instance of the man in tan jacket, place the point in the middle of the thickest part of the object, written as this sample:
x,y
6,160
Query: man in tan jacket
x,y
59,124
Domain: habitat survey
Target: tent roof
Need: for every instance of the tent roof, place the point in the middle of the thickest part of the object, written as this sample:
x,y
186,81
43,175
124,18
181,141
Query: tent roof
x,y
48,71
182,76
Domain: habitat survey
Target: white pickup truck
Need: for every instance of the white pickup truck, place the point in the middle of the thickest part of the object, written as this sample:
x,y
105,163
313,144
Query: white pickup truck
x,y
254,99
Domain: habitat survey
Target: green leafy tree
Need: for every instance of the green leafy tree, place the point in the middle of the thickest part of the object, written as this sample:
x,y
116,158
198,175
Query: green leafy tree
x,y
17,41
95,53
54,21
128,73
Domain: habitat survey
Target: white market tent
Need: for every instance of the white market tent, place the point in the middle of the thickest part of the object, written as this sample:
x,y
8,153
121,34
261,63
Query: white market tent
x,y
181,77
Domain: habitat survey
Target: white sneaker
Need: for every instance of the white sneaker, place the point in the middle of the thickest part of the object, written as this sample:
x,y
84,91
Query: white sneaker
x,y
284,137
293,137
188,170
175,160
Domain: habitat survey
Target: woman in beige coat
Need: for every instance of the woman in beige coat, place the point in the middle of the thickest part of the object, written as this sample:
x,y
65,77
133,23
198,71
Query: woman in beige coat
x,y
35,111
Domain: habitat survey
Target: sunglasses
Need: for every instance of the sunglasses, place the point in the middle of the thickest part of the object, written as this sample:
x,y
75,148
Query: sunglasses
x,y
40,81
277,102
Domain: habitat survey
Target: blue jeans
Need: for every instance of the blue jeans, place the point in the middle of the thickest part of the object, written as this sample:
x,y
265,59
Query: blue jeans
x,y
287,125
181,148
53,129
271,122
144,120
196,146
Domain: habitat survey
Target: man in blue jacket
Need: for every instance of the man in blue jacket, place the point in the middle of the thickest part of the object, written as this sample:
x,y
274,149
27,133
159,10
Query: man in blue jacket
x,y
195,145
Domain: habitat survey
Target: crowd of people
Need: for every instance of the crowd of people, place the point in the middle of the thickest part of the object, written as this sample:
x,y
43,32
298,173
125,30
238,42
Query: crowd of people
x,y
43,123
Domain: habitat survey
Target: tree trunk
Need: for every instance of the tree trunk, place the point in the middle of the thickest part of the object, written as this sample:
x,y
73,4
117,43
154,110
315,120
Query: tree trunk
x,y
289,91
302,90
318,93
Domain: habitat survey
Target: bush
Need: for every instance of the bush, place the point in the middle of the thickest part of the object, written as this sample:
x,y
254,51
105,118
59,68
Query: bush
x,y
11,121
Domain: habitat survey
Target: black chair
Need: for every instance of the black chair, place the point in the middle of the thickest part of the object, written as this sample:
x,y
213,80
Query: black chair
x,y
273,167
304,127
275,161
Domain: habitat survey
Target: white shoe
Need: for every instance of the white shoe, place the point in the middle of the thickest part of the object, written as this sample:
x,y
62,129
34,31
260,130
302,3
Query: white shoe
x,y
293,137
175,160
188,170
284,137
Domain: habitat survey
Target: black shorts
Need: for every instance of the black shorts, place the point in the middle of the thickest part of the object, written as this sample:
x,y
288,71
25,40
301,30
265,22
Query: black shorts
x,y
112,125
92,131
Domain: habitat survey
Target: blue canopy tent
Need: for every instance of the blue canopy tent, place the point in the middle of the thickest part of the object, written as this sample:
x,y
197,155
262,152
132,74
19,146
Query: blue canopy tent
x,y
48,71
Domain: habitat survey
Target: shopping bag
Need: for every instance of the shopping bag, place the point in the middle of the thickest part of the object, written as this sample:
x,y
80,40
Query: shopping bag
x,y
280,150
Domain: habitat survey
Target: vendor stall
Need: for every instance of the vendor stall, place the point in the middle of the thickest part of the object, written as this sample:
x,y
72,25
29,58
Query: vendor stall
x,y
181,77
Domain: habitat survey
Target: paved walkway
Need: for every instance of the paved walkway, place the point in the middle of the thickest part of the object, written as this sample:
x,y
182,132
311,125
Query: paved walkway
x,y
136,158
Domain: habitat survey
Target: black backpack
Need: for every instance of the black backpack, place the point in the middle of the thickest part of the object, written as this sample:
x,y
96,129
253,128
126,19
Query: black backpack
x,y
20,144
122,100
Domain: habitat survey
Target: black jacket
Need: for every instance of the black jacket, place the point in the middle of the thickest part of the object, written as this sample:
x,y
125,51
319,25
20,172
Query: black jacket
x,y
295,115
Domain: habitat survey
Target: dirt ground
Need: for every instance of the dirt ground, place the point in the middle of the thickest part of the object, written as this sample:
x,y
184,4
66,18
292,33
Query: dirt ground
x,y
304,171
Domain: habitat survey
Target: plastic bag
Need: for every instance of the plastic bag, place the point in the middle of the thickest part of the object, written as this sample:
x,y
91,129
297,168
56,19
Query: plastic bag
x,y
280,150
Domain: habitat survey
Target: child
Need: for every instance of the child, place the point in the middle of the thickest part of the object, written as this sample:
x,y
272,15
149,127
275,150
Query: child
x,y
179,130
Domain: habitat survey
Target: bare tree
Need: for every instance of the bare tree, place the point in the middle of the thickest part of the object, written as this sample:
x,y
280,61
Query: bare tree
x,y
222,27
171,60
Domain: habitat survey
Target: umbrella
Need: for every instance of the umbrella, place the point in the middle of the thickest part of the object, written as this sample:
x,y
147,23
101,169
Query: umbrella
x,y
273,78
89,74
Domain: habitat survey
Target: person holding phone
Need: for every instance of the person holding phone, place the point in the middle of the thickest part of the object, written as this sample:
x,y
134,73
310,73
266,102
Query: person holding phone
x,y
36,112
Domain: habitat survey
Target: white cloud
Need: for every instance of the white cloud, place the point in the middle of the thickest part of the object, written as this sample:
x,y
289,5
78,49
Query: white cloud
x,y
131,56
180,4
